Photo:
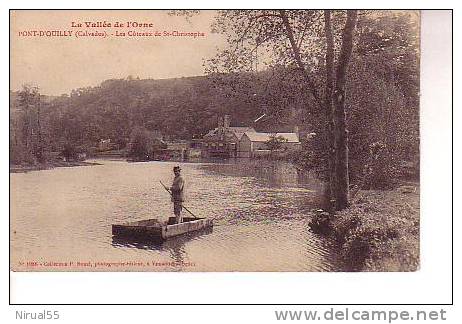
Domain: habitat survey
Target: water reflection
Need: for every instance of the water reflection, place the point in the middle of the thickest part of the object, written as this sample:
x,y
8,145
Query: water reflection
x,y
151,243
273,173
174,246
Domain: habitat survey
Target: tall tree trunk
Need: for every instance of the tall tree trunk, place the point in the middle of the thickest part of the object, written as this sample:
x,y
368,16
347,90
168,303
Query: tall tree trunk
x,y
329,107
341,132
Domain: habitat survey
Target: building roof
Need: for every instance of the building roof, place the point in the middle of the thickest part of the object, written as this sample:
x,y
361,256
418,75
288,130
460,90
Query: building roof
x,y
238,131
263,137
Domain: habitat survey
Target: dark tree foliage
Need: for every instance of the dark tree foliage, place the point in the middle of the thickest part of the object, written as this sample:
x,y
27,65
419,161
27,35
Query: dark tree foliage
x,y
26,140
275,143
69,152
141,144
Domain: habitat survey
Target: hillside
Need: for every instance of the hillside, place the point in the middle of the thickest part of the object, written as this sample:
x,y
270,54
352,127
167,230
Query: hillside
x,y
180,108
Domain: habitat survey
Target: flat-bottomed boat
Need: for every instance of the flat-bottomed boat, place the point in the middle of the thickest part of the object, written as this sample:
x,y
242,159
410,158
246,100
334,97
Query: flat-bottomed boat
x,y
155,230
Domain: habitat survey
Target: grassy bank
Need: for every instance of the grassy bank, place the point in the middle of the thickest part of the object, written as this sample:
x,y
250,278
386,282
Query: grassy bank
x,y
380,231
17,168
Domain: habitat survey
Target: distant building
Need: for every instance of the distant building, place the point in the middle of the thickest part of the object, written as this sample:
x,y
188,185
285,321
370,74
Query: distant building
x,y
254,144
228,141
223,141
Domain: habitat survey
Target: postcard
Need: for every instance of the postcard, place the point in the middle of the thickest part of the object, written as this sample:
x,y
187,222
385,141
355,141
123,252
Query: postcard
x,y
214,140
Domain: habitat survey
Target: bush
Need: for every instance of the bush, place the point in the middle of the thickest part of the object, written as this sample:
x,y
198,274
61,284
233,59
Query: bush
x,y
141,144
69,152
380,232
20,155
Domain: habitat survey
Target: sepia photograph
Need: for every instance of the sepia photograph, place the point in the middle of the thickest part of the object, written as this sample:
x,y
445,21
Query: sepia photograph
x,y
214,140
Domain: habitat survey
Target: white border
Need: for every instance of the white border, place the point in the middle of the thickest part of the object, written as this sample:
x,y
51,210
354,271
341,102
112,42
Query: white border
x,y
429,285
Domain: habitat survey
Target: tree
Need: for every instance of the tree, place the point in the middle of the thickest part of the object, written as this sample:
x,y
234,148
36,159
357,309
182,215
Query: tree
x,y
340,123
29,103
140,144
304,39
383,97
69,152
275,142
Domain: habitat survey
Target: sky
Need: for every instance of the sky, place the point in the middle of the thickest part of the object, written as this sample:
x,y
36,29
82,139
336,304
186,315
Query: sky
x,y
59,64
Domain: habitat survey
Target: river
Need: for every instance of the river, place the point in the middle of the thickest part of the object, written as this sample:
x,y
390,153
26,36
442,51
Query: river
x,y
61,218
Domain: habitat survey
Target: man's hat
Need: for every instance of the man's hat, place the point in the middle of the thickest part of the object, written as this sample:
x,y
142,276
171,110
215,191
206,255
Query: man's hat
x,y
176,168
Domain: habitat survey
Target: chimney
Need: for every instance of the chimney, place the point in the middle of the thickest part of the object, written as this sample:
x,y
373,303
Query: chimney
x,y
220,127
297,130
220,122
226,122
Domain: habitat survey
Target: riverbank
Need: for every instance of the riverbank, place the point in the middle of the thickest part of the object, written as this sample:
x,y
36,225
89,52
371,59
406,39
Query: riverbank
x,y
380,231
49,165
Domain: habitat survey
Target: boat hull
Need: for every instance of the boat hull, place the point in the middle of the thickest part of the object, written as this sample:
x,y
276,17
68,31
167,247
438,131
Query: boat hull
x,y
152,229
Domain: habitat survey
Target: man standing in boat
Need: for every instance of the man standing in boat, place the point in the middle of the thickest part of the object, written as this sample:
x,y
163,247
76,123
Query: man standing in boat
x,y
177,190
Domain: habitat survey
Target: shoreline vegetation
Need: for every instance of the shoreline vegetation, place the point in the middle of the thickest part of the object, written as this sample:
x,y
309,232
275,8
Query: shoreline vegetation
x,y
379,231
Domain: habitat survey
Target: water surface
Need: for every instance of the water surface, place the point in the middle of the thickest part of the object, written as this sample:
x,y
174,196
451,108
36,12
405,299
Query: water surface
x,y
261,212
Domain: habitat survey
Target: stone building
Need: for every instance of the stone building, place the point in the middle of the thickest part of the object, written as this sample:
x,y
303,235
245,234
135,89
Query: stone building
x,y
223,141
